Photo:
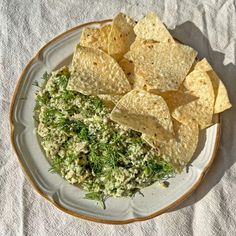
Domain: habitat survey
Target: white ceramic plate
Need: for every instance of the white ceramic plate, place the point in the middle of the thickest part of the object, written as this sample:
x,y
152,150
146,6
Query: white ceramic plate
x,y
156,200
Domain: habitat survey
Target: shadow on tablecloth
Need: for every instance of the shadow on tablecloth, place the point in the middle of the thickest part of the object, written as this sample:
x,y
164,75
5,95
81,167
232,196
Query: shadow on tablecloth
x,y
189,34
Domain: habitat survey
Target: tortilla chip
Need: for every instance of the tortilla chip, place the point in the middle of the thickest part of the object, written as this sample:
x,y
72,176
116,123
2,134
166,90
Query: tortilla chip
x,y
144,112
164,66
95,72
121,36
96,37
180,149
136,81
222,100
176,99
140,42
203,65
151,27
201,110
110,100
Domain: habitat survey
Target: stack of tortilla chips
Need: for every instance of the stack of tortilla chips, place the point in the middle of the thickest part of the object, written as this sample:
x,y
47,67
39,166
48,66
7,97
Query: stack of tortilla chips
x,y
154,84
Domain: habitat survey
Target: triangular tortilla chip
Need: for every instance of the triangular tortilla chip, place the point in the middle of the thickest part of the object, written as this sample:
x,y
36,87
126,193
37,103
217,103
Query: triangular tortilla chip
x,y
180,149
121,36
94,72
163,66
96,37
198,84
144,112
151,27
222,100
176,99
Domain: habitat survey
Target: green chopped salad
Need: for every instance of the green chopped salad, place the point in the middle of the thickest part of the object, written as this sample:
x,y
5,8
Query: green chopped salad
x,y
88,149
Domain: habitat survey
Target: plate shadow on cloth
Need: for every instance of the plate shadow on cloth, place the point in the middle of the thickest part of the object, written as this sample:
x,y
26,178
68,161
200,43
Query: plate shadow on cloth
x,y
188,33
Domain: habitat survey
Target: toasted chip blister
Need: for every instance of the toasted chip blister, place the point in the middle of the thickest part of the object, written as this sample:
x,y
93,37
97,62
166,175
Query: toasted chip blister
x,y
139,42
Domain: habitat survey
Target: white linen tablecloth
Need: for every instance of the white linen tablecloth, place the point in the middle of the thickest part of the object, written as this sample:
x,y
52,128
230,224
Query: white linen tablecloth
x,y
208,26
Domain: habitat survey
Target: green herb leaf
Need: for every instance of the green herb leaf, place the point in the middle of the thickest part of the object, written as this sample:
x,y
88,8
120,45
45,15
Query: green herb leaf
x,y
97,197
46,76
36,83
56,165
110,155
98,103
160,168
95,160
